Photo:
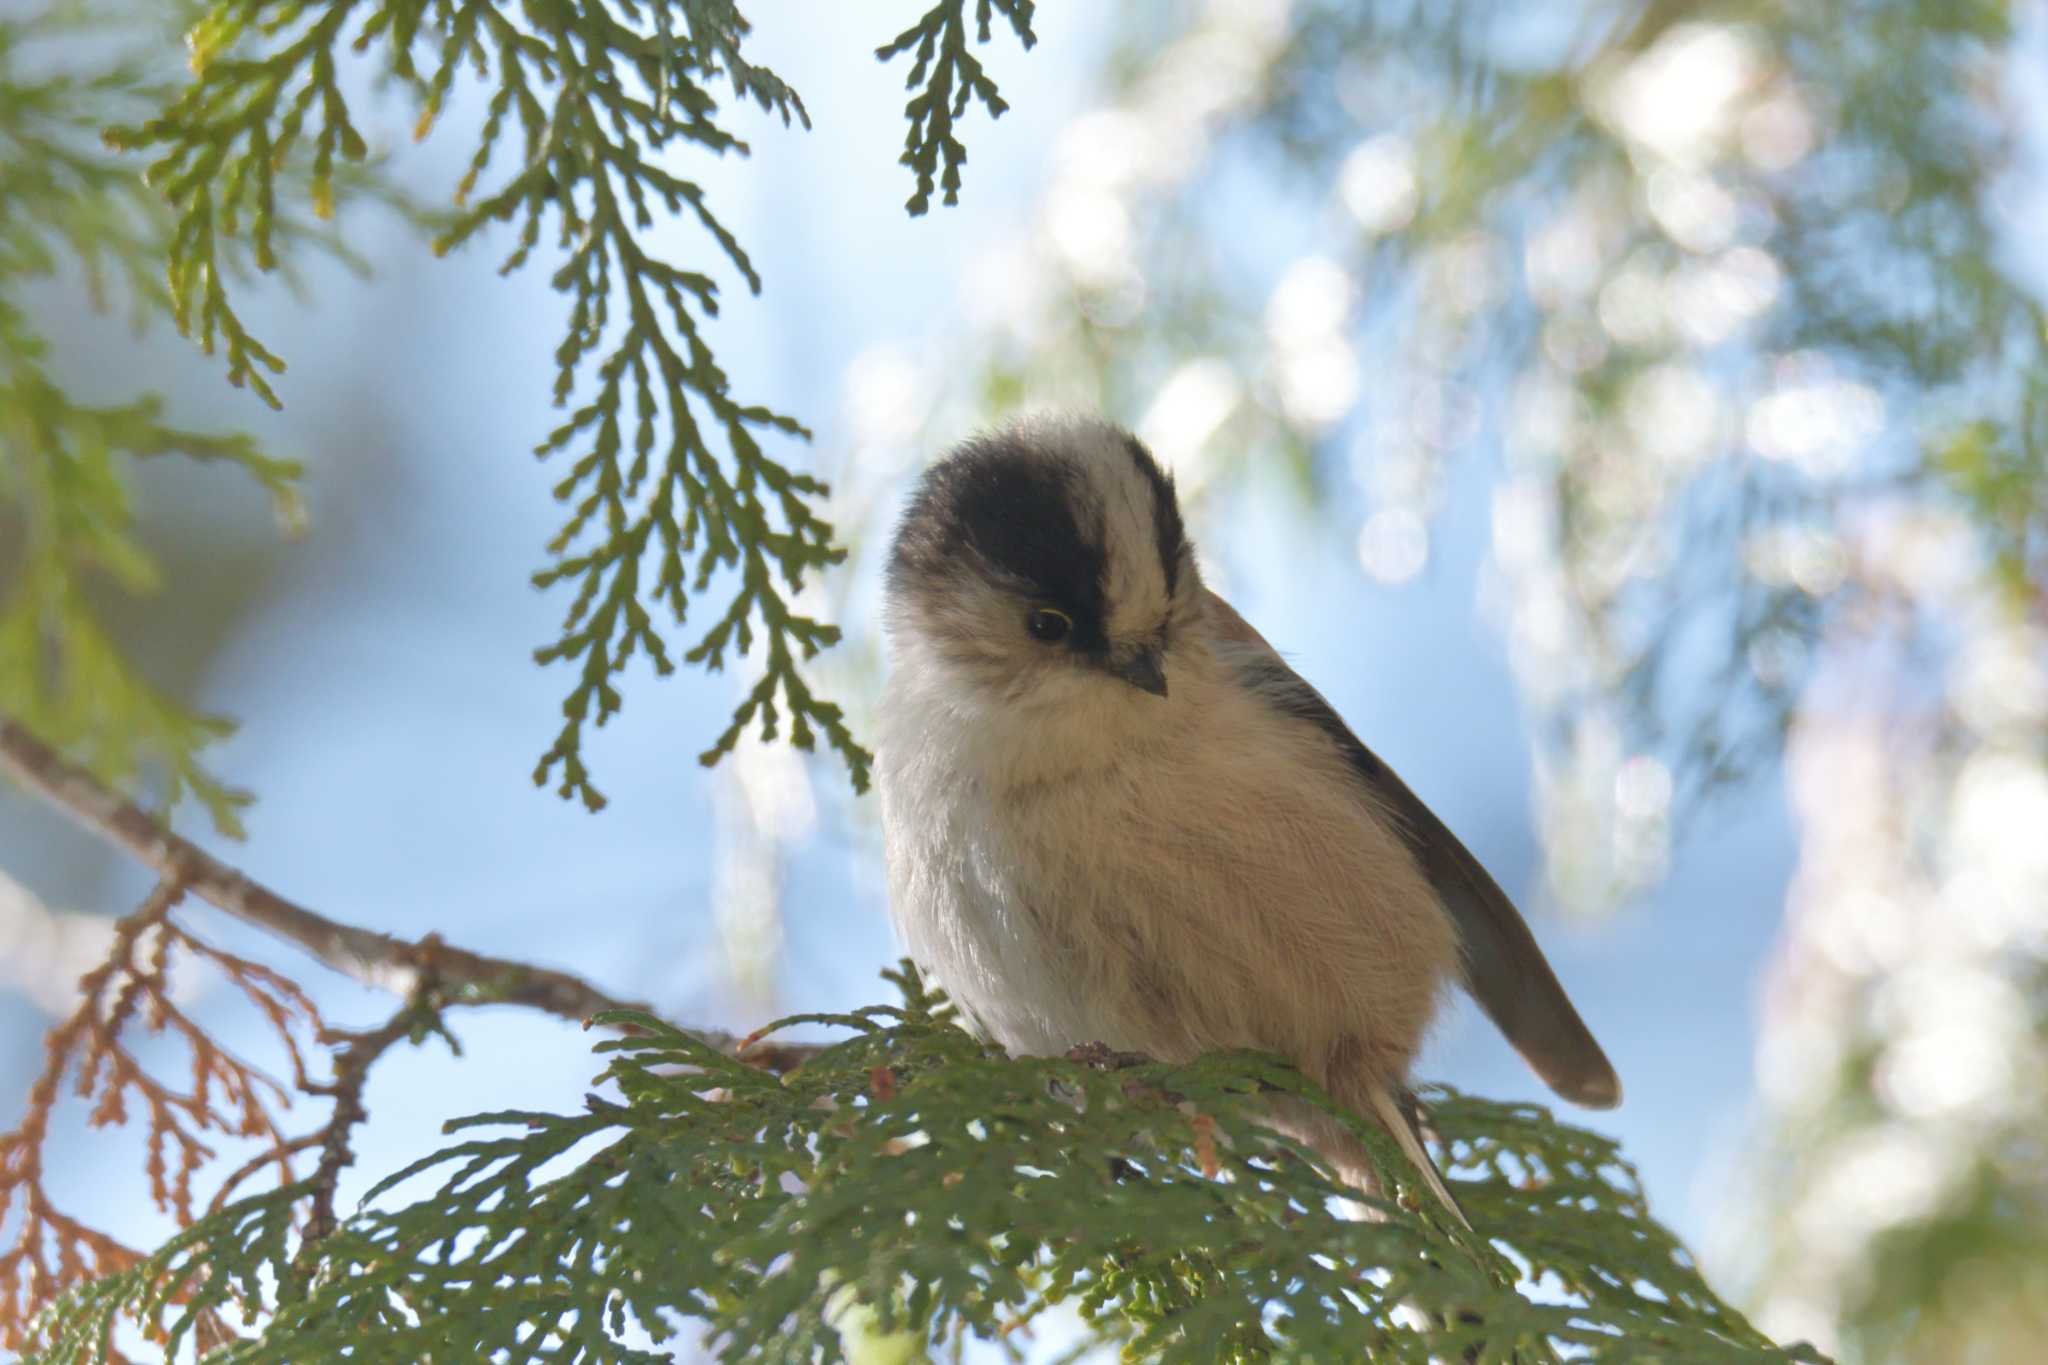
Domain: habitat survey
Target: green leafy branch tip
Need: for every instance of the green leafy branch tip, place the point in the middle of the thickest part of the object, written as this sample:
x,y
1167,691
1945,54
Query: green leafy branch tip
x,y
668,482
952,1191
65,465
63,469
945,75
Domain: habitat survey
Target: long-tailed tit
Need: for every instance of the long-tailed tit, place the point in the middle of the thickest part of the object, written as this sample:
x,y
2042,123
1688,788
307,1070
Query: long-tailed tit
x,y
1114,814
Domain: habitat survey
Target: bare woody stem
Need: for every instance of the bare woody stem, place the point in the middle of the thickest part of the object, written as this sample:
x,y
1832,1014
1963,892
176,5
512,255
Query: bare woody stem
x,y
380,961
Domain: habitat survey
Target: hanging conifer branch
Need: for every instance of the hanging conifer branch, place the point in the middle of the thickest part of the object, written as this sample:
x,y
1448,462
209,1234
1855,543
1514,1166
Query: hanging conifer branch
x,y
69,529
668,483
945,75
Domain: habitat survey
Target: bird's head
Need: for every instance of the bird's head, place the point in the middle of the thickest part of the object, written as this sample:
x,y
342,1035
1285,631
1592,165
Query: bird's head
x,y
1045,563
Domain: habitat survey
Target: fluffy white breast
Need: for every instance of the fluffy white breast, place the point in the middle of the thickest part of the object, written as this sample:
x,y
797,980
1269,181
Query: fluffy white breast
x,y
1170,875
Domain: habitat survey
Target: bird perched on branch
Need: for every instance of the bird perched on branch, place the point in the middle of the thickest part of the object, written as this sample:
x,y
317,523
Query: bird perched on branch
x,y
1114,814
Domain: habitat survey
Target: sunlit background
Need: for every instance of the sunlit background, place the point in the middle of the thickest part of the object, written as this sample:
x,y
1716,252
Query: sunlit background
x,y
1599,408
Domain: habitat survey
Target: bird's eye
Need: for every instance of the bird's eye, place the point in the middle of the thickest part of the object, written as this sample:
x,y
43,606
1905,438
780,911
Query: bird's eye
x,y
1048,625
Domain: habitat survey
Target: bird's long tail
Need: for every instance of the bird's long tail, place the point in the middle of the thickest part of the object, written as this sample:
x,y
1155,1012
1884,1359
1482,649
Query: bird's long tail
x,y
1397,1114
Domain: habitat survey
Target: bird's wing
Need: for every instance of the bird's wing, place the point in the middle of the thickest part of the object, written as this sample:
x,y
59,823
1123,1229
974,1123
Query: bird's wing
x,y
1504,969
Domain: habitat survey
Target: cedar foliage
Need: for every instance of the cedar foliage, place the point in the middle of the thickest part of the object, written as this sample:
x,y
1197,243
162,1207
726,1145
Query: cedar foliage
x,y
957,1191
587,103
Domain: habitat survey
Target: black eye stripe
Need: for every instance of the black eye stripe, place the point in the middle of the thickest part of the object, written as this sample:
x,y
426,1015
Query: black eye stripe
x,y
1022,514
1024,509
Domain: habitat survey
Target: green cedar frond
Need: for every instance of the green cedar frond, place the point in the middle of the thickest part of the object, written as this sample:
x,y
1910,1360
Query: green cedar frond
x,y
944,75
61,476
593,98
63,199
953,1190
64,500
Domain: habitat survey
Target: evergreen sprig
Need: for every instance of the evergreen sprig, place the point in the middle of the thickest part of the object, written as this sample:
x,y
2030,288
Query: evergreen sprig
x,y
953,1191
65,505
64,197
59,668
600,94
944,75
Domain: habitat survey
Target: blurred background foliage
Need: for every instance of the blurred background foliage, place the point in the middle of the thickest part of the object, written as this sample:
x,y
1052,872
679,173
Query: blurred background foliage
x,y
1733,306
70,542
1738,292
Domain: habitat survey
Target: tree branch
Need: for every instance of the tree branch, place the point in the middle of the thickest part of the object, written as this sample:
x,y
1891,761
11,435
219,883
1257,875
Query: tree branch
x,y
380,961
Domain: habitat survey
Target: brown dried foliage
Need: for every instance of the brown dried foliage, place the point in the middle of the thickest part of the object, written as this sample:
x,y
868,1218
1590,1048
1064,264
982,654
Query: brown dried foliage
x,y
89,1056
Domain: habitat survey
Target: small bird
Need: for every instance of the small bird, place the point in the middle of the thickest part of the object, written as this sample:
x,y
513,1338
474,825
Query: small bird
x,y
1113,814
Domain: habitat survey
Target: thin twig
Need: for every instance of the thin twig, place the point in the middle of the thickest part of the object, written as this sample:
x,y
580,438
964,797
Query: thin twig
x,y
354,1054
380,961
